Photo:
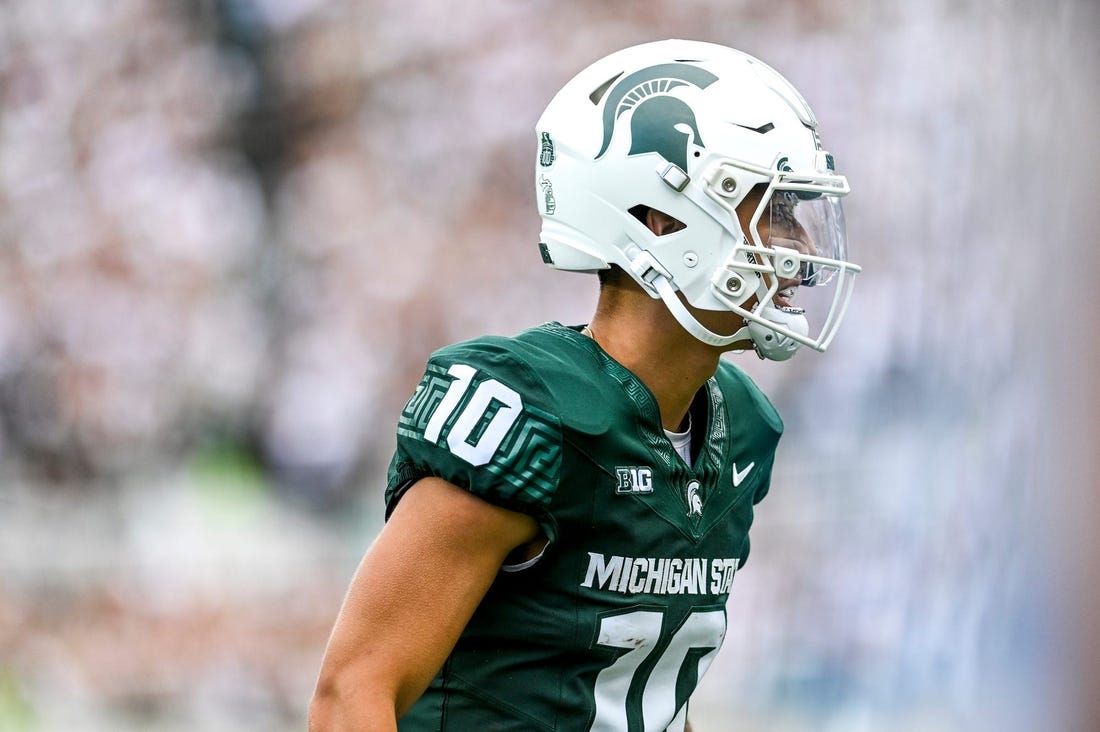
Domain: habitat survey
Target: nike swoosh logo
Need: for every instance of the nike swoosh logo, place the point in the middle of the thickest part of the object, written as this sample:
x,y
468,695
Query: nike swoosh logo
x,y
740,475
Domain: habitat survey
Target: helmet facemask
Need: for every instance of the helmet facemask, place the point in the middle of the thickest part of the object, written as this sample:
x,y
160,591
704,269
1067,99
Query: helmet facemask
x,y
794,239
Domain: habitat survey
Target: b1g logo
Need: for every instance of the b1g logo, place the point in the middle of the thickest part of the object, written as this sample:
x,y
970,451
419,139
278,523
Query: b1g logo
x,y
633,480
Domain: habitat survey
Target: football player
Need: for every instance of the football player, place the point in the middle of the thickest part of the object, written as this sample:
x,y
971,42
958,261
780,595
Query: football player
x,y
567,508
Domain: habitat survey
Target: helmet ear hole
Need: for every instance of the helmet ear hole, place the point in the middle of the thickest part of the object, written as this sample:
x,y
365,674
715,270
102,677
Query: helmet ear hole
x,y
657,221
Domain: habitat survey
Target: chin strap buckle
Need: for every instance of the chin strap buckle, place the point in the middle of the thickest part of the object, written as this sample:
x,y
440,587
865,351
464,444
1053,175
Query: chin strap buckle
x,y
646,267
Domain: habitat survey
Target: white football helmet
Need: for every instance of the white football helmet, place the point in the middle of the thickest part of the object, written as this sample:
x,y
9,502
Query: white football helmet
x,y
693,130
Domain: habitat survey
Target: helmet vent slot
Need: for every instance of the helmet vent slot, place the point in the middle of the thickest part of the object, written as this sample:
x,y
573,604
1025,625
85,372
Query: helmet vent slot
x,y
762,129
598,92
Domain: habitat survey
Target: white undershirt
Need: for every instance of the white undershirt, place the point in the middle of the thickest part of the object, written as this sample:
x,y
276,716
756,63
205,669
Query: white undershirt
x,y
681,441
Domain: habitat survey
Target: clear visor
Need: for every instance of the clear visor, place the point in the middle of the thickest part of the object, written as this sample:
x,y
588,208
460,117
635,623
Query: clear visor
x,y
810,224
796,243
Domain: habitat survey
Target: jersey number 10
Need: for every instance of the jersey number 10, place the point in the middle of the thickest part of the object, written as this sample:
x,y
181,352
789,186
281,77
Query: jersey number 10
x,y
638,631
482,424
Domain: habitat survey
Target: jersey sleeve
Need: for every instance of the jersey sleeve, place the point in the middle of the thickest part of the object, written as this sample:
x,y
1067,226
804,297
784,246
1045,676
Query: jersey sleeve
x,y
481,419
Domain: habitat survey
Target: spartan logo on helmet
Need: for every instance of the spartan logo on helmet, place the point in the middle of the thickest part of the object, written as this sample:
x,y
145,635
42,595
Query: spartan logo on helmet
x,y
657,114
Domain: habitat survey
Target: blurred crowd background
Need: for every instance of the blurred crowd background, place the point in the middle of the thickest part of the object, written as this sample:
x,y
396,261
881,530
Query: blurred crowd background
x,y
231,232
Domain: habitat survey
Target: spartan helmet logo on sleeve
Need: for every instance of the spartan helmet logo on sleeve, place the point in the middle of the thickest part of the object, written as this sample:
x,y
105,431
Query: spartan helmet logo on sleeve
x,y
659,118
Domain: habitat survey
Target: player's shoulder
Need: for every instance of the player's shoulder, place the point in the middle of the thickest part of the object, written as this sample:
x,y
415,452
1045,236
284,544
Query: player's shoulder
x,y
522,356
740,390
550,365
533,359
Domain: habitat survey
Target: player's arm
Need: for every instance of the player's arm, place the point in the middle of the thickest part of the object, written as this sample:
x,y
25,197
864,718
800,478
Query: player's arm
x,y
412,595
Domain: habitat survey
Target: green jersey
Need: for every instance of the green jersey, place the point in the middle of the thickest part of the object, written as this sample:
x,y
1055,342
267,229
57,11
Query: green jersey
x,y
611,627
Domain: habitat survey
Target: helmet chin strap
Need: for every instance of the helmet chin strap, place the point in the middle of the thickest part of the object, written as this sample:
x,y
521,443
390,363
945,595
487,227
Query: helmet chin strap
x,y
768,343
688,321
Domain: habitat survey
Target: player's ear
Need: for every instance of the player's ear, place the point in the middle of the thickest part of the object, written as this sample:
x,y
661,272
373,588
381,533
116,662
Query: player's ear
x,y
661,223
